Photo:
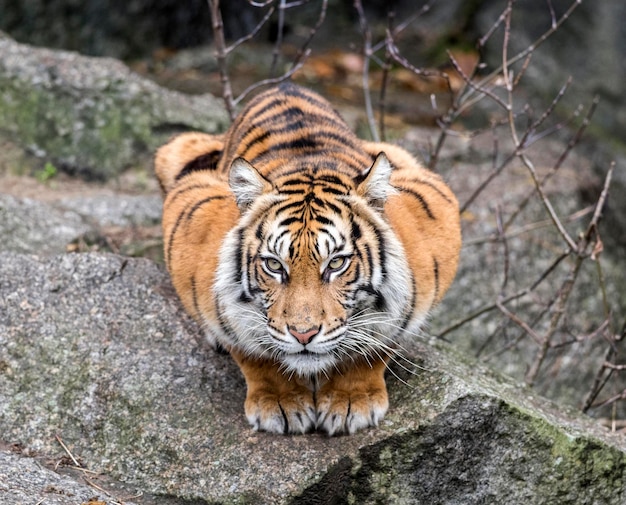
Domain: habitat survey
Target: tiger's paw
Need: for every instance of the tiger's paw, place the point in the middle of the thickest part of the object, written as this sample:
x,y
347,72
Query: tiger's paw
x,y
291,412
353,398
340,412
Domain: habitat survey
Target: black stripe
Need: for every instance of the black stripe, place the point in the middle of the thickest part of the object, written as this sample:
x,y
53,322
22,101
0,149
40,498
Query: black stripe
x,y
179,220
199,204
255,140
194,294
420,199
259,231
238,256
318,125
382,254
356,233
226,328
435,188
332,179
288,205
333,191
323,220
293,191
334,208
175,193
296,145
436,272
289,220
206,161
275,101
357,276
368,255
295,182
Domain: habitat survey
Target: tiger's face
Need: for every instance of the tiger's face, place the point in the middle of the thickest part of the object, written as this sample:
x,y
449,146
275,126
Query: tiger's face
x,y
312,276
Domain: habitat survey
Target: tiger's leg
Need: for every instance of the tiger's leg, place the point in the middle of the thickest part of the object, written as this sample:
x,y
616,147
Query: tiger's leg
x,y
353,398
275,402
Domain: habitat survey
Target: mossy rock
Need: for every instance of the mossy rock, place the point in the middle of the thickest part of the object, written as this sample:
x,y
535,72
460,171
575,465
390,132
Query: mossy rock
x,y
91,116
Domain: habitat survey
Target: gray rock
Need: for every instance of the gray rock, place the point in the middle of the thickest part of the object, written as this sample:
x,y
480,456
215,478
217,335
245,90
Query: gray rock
x,y
29,226
95,348
91,116
25,480
117,209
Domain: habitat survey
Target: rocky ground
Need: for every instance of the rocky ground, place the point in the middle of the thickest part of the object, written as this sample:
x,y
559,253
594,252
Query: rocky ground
x,y
96,353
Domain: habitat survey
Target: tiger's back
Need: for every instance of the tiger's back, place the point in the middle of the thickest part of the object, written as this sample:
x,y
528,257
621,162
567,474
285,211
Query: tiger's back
x,y
299,246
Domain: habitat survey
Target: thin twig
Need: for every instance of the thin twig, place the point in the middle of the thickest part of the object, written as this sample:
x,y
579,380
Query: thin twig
x,y
367,54
492,306
274,80
532,46
574,140
67,451
279,37
254,32
382,103
518,321
505,246
220,55
575,216
302,52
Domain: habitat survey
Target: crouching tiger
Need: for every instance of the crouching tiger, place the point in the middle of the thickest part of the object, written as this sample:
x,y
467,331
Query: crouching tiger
x,y
307,253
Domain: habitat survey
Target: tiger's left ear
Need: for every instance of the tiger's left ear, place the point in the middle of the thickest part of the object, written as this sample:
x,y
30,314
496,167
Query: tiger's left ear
x,y
246,183
374,183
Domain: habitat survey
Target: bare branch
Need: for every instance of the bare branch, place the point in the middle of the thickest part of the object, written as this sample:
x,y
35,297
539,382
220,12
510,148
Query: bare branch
x,y
220,55
273,80
254,32
492,306
279,36
531,47
568,149
481,90
367,53
302,53
518,321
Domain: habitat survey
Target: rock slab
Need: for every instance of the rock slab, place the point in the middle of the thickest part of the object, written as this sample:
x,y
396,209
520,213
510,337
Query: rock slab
x,y
95,348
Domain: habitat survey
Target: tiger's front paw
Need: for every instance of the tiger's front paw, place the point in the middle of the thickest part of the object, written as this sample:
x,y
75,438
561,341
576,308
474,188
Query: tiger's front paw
x,y
347,411
286,412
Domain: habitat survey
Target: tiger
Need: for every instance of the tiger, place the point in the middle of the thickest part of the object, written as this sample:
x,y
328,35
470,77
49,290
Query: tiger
x,y
306,253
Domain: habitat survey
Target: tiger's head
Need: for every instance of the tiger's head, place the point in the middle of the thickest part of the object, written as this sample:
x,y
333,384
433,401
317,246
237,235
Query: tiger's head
x,y
313,274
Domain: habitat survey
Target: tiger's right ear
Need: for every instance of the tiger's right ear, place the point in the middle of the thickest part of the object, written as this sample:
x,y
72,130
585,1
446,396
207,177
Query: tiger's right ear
x,y
246,183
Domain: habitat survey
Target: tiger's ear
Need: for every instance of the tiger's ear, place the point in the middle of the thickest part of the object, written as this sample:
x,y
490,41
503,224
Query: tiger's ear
x,y
374,183
246,183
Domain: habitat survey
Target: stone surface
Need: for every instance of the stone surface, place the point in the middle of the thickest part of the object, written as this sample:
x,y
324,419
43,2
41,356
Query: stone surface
x,y
91,116
24,480
117,209
96,349
30,226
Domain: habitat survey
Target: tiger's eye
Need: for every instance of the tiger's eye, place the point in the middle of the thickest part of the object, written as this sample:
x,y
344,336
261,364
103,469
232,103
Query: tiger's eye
x,y
273,265
337,263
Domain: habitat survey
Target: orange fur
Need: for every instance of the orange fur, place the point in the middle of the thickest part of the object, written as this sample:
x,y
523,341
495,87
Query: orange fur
x,y
309,260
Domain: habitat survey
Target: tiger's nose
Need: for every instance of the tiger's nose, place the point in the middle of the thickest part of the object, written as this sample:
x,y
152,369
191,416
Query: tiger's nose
x,y
304,337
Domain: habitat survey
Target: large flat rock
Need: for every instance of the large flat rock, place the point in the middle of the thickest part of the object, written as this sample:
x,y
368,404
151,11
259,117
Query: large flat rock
x,y
95,349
